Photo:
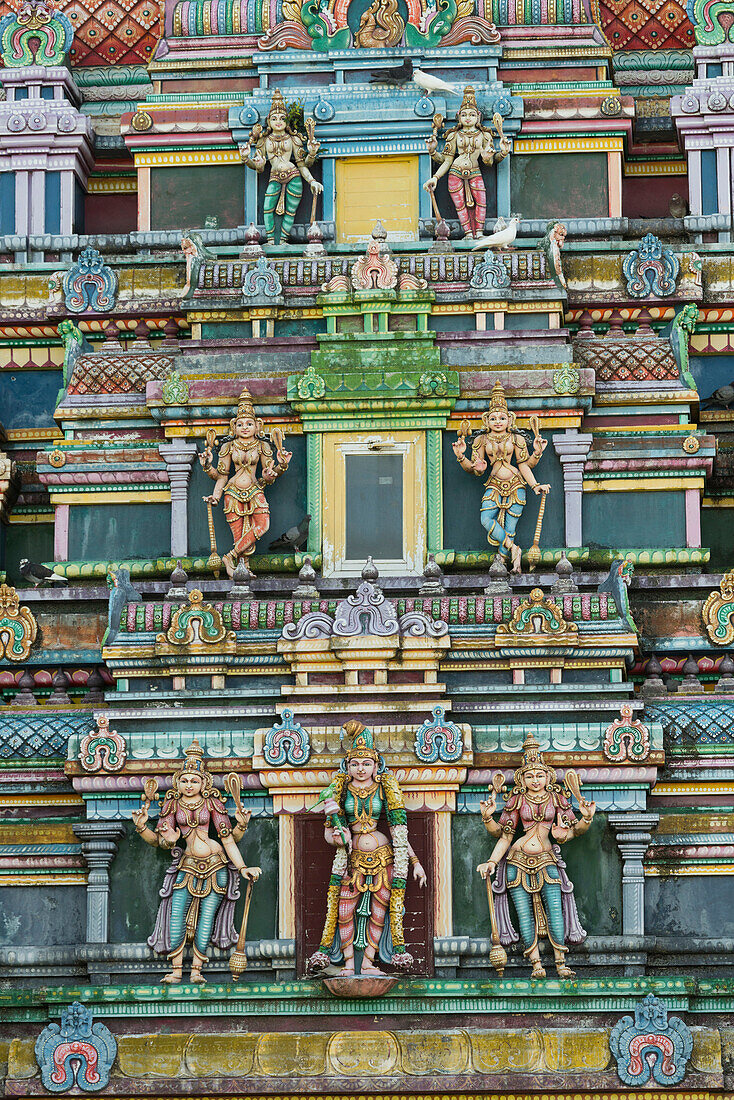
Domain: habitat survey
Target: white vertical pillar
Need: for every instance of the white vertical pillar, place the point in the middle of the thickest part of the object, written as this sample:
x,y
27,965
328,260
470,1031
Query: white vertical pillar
x,y
694,182
573,448
634,833
178,456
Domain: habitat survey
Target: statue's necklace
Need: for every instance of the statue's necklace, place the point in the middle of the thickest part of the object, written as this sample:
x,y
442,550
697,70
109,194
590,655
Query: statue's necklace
x,y
363,806
192,807
540,802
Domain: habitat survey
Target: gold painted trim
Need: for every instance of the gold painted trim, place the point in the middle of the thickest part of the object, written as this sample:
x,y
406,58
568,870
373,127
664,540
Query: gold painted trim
x,y
193,156
568,145
125,496
656,168
699,870
116,185
646,484
56,879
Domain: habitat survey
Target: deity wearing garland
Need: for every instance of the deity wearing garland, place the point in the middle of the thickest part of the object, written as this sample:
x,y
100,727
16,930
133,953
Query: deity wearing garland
x,y
366,895
245,507
506,487
201,885
466,144
279,145
530,868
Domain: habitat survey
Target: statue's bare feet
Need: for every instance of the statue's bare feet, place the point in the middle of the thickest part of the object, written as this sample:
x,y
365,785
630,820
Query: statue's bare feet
x,y
538,970
197,977
346,972
174,978
516,558
370,968
565,971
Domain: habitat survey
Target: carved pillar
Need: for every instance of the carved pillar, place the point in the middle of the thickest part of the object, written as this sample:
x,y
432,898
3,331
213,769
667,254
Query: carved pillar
x,y
286,868
572,448
178,457
99,846
443,913
634,833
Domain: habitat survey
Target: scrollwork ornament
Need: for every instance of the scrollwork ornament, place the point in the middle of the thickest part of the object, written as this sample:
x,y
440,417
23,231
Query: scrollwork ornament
x,y
718,612
18,628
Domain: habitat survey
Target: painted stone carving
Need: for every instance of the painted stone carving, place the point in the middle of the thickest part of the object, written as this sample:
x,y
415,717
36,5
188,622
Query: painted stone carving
x,y
196,624
712,21
530,869
245,507
651,270
682,329
175,390
616,583
366,894
366,612
566,380
75,342
202,883
121,594
466,144
552,243
495,446
287,743
282,147
381,26
18,626
37,34
490,273
537,621
103,749
75,1053
718,612
195,251
262,279
90,286
438,739
626,738
652,1045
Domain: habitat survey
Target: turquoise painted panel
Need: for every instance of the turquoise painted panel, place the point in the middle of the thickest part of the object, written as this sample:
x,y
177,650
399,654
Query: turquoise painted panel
x,y
709,184
34,541
28,398
52,191
634,519
711,372
7,202
462,498
109,531
717,532
287,500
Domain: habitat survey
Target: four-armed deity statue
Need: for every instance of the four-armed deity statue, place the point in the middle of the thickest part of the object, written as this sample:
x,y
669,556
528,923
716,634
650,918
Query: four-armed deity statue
x,y
245,506
282,147
366,896
529,868
202,884
495,447
466,144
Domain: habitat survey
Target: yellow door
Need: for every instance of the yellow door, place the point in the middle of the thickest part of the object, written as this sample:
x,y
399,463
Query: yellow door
x,y
370,189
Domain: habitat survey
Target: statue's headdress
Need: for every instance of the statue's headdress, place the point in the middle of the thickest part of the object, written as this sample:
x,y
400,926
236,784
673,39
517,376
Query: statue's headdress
x,y
278,103
532,758
193,759
469,100
245,406
362,742
498,401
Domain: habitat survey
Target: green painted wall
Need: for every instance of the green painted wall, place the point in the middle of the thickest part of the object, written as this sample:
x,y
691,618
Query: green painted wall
x,y
717,532
690,906
634,519
137,876
35,542
28,398
110,532
287,500
462,498
45,916
558,185
593,864
183,197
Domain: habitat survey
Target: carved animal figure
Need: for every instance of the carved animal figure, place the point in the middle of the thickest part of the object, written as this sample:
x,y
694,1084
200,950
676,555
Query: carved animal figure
x,y
380,26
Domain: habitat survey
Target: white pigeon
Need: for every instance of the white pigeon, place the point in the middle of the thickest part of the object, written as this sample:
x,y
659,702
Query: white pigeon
x,y
502,237
434,83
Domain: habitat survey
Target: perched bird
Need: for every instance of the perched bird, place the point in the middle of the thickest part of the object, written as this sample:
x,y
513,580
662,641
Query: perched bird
x,y
677,207
39,574
399,76
294,538
431,83
723,396
502,237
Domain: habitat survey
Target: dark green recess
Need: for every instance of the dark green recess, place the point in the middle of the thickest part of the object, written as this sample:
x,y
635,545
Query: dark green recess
x,y
641,520
559,185
119,531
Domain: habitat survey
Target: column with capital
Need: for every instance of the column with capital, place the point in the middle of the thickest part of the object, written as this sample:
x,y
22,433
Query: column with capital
x,y
634,834
99,847
178,456
573,448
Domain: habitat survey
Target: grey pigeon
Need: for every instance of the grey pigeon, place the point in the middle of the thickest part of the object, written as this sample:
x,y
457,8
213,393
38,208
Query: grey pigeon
x,y
294,538
677,207
400,75
39,574
723,396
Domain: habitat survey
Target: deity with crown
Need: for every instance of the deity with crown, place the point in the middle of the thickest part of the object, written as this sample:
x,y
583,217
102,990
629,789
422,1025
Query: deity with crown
x,y
245,507
202,883
530,868
366,896
282,147
495,446
466,144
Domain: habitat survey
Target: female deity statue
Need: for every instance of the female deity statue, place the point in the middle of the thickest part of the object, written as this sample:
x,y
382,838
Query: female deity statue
x,y
201,885
369,874
280,145
506,492
466,144
245,506
530,868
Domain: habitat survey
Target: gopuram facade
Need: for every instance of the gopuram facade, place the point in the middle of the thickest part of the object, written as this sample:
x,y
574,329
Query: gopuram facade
x,y
366,570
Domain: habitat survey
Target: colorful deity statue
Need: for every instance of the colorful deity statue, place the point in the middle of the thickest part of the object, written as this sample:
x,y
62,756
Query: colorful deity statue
x,y
245,506
530,868
506,487
202,884
280,146
466,144
366,895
